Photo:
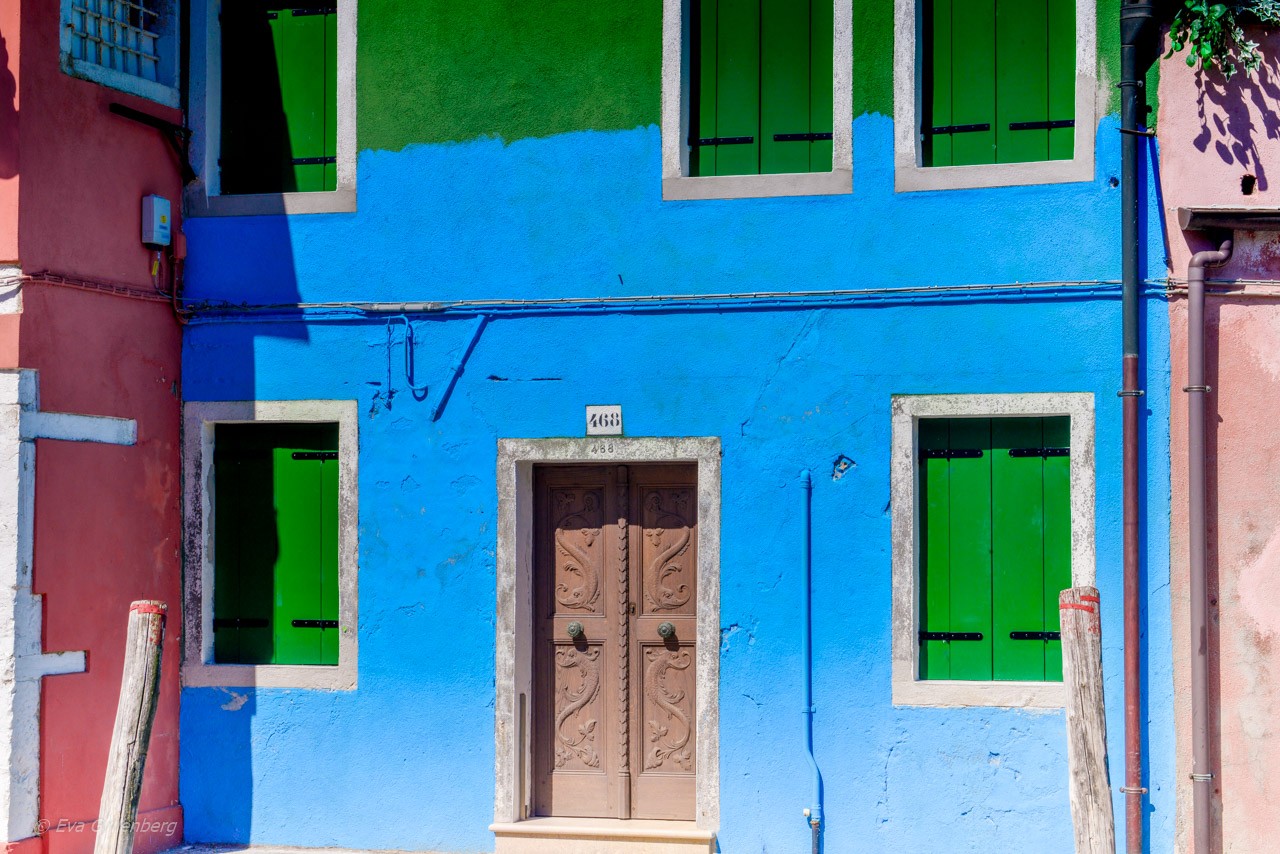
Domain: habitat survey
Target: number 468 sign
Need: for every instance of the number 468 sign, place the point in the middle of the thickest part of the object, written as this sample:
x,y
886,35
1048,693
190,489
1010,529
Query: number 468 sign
x,y
604,420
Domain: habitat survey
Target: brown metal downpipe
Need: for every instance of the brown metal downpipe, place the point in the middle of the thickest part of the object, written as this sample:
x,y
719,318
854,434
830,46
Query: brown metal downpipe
x,y
1137,52
1201,770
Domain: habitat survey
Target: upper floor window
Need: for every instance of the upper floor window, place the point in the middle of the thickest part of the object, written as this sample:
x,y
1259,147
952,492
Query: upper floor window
x,y
999,81
756,98
279,98
1003,92
129,45
273,106
760,81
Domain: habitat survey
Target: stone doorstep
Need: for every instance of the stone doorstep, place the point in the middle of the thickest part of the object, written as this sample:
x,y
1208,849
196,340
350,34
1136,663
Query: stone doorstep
x,y
538,836
601,835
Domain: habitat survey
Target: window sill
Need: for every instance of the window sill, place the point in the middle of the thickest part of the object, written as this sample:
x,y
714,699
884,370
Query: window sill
x,y
834,183
321,677
199,203
951,693
910,178
109,77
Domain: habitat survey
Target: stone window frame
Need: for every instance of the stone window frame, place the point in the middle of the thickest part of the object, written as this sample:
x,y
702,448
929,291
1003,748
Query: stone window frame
x,y
909,175
908,688
198,422
513,660
679,185
203,196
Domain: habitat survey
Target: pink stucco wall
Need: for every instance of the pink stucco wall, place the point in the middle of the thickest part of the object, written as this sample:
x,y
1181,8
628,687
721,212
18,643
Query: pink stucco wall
x,y
1211,135
10,39
106,517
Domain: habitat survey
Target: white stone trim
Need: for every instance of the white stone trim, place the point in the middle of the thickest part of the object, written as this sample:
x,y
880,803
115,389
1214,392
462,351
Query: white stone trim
x,y
910,175
203,196
907,410
161,93
23,661
198,667
513,660
677,184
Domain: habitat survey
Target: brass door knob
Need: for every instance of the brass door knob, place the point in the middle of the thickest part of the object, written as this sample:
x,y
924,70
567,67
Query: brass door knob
x,y
666,630
575,630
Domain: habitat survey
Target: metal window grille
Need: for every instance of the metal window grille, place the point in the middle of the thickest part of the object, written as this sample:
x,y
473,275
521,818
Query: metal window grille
x,y
122,35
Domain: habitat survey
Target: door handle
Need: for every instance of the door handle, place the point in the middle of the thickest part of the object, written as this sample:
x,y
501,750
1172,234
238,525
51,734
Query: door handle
x,y
666,630
575,630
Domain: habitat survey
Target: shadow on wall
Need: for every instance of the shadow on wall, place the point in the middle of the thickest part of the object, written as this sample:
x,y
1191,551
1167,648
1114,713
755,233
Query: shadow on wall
x,y
8,115
1225,120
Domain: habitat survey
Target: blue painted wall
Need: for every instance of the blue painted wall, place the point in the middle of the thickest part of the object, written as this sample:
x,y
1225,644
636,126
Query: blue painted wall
x,y
406,761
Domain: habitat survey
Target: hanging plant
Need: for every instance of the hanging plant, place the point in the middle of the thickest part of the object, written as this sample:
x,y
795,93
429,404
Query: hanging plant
x,y
1214,34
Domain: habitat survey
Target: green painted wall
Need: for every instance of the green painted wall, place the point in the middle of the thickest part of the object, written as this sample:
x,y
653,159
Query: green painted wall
x,y
873,57
441,70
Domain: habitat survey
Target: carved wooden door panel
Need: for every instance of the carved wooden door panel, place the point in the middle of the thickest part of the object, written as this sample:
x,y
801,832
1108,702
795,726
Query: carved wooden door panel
x,y
663,655
614,658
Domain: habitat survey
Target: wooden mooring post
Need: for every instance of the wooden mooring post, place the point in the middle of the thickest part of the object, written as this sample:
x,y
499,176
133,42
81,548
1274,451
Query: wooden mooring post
x,y
139,690
1090,787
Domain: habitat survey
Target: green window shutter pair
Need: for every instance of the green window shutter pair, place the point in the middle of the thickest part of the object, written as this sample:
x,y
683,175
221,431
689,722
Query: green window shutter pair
x,y
275,544
999,81
995,547
761,86
279,97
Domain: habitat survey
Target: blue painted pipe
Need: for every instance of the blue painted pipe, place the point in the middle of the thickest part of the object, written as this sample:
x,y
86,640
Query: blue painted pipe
x,y
814,812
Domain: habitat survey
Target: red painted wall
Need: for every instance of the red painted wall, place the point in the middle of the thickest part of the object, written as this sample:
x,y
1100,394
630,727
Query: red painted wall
x,y
107,518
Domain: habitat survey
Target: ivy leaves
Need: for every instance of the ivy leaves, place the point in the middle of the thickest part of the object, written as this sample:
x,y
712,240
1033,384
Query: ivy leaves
x,y
1214,35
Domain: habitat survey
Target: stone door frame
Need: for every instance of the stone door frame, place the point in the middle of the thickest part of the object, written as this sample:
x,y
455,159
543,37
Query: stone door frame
x,y
513,659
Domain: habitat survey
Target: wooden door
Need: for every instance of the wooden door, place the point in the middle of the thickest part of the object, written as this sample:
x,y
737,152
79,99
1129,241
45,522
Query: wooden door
x,y
615,599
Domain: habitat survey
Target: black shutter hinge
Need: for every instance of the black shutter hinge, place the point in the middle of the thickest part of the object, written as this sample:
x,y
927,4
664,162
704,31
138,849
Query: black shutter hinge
x,y
240,623
315,624
1040,452
800,137
978,128
726,140
951,636
1040,636
952,453
1057,123
315,455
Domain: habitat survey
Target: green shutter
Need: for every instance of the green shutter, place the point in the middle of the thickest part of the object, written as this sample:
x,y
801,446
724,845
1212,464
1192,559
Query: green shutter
x,y
1057,537
279,98
760,68
1022,80
821,86
276,544
995,540
936,47
1062,80
738,86
244,557
784,85
1001,64
971,547
1017,548
935,550
702,160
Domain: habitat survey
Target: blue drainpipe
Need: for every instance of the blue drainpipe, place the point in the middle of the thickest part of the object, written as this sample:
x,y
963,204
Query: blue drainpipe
x,y
814,812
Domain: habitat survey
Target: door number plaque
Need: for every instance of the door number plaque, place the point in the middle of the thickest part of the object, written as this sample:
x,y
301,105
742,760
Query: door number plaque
x,y
604,420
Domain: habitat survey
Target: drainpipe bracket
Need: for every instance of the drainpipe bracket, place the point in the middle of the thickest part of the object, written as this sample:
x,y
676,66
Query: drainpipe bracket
x,y
1201,778
1133,790
1137,392
1203,388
